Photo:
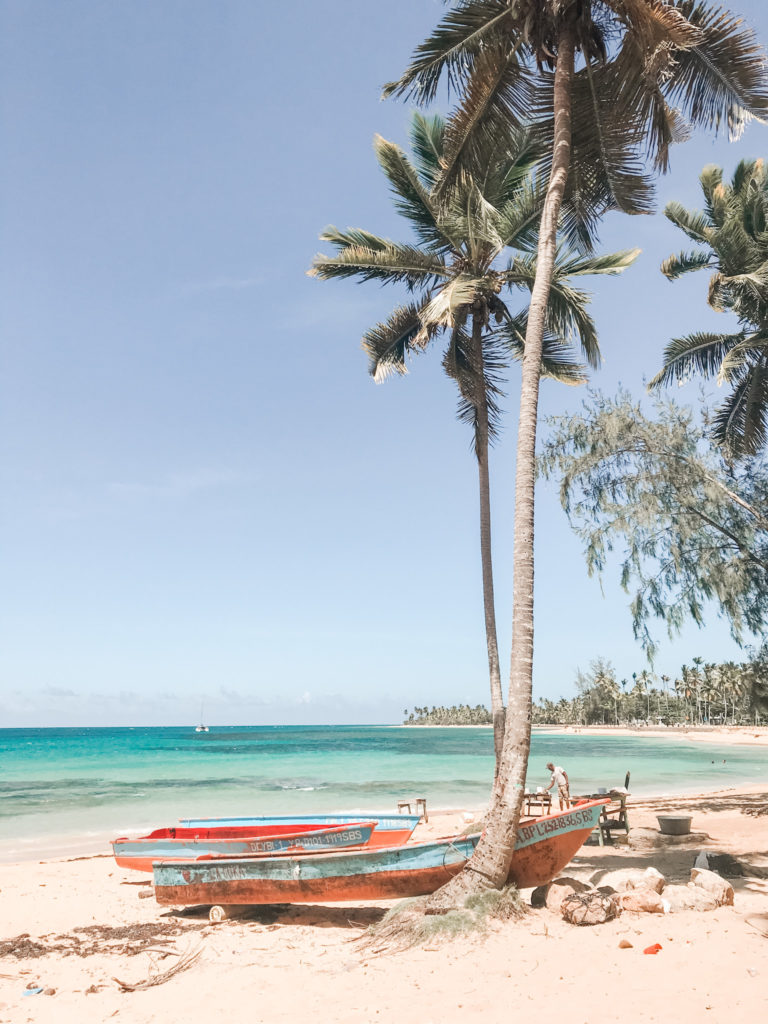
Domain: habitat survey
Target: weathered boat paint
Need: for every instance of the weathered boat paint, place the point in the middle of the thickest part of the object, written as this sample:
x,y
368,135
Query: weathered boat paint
x,y
184,844
545,846
391,829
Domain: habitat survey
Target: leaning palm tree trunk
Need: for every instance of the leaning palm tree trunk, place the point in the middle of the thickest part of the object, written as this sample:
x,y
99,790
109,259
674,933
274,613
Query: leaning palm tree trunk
x,y
489,866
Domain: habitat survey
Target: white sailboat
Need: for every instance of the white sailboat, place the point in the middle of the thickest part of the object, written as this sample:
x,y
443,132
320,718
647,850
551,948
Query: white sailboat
x,y
201,727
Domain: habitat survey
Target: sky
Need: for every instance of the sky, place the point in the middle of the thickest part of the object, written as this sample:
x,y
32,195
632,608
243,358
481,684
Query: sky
x,y
208,507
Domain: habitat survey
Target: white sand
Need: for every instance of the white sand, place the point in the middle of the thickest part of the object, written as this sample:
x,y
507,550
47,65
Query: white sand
x,y
737,735
713,967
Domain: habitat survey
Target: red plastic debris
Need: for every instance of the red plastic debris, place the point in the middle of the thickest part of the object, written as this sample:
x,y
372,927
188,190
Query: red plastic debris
x,y
653,949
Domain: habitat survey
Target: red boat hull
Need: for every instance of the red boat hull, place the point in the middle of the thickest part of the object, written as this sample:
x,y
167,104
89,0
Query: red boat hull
x,y
184,844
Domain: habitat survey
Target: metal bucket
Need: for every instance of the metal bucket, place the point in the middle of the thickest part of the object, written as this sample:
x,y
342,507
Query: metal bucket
x,y
674,824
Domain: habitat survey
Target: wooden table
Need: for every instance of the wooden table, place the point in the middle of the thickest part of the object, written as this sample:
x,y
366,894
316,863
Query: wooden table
x,y
536,804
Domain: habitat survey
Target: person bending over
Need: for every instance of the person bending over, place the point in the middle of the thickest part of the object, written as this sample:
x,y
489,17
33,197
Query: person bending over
x,y
560,779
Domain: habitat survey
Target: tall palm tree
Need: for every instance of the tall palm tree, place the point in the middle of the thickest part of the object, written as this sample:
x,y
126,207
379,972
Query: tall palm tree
x,y
731,233
648,71
460,270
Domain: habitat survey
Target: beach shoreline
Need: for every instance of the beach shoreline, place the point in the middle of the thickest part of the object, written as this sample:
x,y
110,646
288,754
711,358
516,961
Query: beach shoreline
x,y
71,847
85,925
725,735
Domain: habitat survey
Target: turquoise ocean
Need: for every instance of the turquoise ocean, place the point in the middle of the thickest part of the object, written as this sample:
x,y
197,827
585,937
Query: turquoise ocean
x,y
70,790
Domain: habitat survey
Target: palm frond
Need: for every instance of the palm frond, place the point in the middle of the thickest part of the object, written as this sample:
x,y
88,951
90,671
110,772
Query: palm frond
x,y
567,309
755,429
746,171
451,48
412,200
607,170
504,166
389,264
752,351
722,79
496,100
638,72
427,135
388,344
569,318
480,227
739,424
449,305
684,262
710,179
701,352
607,263
696,225
518,219
478,377
556,362
353,238
657,22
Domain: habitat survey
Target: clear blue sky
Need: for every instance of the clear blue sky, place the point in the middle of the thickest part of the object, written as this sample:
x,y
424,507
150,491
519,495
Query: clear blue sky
x,y
202,490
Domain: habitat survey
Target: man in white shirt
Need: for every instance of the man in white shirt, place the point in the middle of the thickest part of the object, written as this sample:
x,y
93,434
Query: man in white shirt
x,y
560,778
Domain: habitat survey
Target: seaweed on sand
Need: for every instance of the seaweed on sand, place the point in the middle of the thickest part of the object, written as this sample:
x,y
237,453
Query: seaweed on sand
x,y
95,939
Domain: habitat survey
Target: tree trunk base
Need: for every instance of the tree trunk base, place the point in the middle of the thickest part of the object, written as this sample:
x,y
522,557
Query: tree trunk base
x,y
454,894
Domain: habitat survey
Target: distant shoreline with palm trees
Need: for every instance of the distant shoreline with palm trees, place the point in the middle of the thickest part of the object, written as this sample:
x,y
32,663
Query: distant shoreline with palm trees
x,y
753,735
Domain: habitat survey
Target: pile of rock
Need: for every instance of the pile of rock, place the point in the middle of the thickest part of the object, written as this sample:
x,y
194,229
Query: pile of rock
x,y
640,892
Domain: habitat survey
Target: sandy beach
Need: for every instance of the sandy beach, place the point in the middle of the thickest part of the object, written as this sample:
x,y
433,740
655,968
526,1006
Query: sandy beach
x,y
86,924
738,735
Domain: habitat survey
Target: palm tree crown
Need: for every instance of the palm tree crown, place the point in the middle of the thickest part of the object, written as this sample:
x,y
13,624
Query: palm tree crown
x,y
649,71
476,241
731,234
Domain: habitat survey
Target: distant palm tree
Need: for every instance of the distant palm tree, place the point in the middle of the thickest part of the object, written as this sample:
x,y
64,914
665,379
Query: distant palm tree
x,y
460,269
731,234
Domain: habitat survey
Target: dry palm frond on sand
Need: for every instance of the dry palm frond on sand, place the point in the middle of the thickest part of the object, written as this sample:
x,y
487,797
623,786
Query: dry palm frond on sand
x,y
182,964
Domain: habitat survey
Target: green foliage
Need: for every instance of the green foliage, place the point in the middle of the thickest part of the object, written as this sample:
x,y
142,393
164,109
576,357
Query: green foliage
x,y
701,694
755,684
461,714
686,526
732,232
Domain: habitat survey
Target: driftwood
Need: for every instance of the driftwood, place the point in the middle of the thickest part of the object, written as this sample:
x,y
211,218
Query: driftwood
x,y
185,961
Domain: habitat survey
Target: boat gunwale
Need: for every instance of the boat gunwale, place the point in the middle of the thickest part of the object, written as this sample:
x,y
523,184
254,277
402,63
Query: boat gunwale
x,y
375,851
330,830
